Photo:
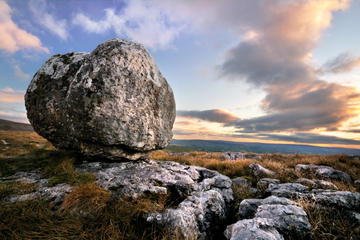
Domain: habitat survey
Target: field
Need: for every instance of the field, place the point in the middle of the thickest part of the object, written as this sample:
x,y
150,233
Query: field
x,y
110,218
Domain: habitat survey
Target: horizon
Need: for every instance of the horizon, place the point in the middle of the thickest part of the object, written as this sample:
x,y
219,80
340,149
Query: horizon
x,y
281,71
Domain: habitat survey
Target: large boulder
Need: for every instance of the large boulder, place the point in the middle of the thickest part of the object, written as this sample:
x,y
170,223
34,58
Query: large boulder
x,y
112,102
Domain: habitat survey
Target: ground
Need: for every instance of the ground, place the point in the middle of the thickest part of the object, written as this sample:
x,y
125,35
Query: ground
x,y
110,218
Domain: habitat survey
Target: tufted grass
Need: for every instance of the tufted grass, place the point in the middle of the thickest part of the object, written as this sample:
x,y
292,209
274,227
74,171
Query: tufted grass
x,y
90,212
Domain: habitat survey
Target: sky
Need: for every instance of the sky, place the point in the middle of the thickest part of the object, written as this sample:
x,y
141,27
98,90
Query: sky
x,y
272,71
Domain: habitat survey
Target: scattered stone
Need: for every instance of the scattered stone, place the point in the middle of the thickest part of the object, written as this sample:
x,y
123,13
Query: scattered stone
x,y
199,216
249,229
4,142
259,171
317,183
111,103
287,190
247,208
322,171
283,215
263,183
55,194
241,182
240,155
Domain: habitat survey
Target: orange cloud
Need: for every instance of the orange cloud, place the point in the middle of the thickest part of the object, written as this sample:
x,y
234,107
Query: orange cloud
x,y
8,95
14,38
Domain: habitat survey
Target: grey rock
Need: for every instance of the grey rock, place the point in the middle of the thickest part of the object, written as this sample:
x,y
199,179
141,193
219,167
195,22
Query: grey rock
x,y
233,155
263,183
241,182
55,194
112,102
250,229
199,216
338,199
317,183
158,177
248,208
290,220
288,190
357,184
259,171
353,216
322,171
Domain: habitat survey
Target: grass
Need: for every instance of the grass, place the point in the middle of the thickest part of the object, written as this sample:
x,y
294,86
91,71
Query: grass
x,y
90,212
329,223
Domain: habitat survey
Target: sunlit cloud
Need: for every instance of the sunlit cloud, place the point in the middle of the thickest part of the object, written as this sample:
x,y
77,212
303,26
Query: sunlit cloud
x,y
9,95
47,20
345,62
14,38
20,74
213,115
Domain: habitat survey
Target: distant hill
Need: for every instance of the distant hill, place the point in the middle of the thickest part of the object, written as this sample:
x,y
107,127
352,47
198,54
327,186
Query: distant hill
x,y
224,146
15,126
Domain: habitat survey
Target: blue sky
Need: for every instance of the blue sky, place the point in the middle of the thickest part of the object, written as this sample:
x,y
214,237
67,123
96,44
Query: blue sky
x,y
283,71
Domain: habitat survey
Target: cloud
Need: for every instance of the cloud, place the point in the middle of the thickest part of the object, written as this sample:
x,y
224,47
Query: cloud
x,y
213,115
45,19
302,138
278,61
9,95
345,62
141,21
14,38
20,74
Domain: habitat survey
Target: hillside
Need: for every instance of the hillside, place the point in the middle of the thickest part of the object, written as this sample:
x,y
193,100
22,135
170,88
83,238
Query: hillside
x,y
224,146
15,126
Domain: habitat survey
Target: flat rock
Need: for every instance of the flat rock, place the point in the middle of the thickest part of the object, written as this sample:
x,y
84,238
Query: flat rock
x,y
259,171
272,217
322,184
322,171
111,103
241,182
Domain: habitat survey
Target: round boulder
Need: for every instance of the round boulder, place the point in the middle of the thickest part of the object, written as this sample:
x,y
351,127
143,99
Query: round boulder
x,y
112,102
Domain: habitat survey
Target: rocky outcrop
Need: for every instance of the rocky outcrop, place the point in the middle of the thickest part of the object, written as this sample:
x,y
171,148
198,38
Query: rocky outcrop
x,y
241,182
322,171
259,171
319,184
272,218
263,183
112,102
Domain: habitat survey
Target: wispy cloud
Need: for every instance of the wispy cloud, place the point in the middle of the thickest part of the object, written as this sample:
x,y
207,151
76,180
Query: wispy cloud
x,y
9,95
20,74
14,38
47,20
345,62
141,21
213,115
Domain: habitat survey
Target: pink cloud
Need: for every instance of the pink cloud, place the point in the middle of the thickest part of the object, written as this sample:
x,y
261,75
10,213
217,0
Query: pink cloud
x,y
14,38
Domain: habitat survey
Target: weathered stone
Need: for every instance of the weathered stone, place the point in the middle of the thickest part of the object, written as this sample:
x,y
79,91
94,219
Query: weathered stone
x,y
282,214
112,102
338,199
259,171
263,183
247,208
55,194
287,190
199,216
250,229
323,172
241,182
316,183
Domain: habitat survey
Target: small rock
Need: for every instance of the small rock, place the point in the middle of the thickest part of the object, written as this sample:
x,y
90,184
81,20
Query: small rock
x,y
317,183
287,190
250,229
259,171
323,172
241,182
247,208
263,183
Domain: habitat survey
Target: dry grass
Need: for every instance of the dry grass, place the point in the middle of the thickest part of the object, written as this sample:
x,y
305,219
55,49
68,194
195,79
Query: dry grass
x,y
15,188
282,164
21,143
329,223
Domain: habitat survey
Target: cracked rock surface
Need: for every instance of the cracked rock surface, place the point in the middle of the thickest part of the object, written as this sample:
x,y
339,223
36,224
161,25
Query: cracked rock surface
x,y
111,103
